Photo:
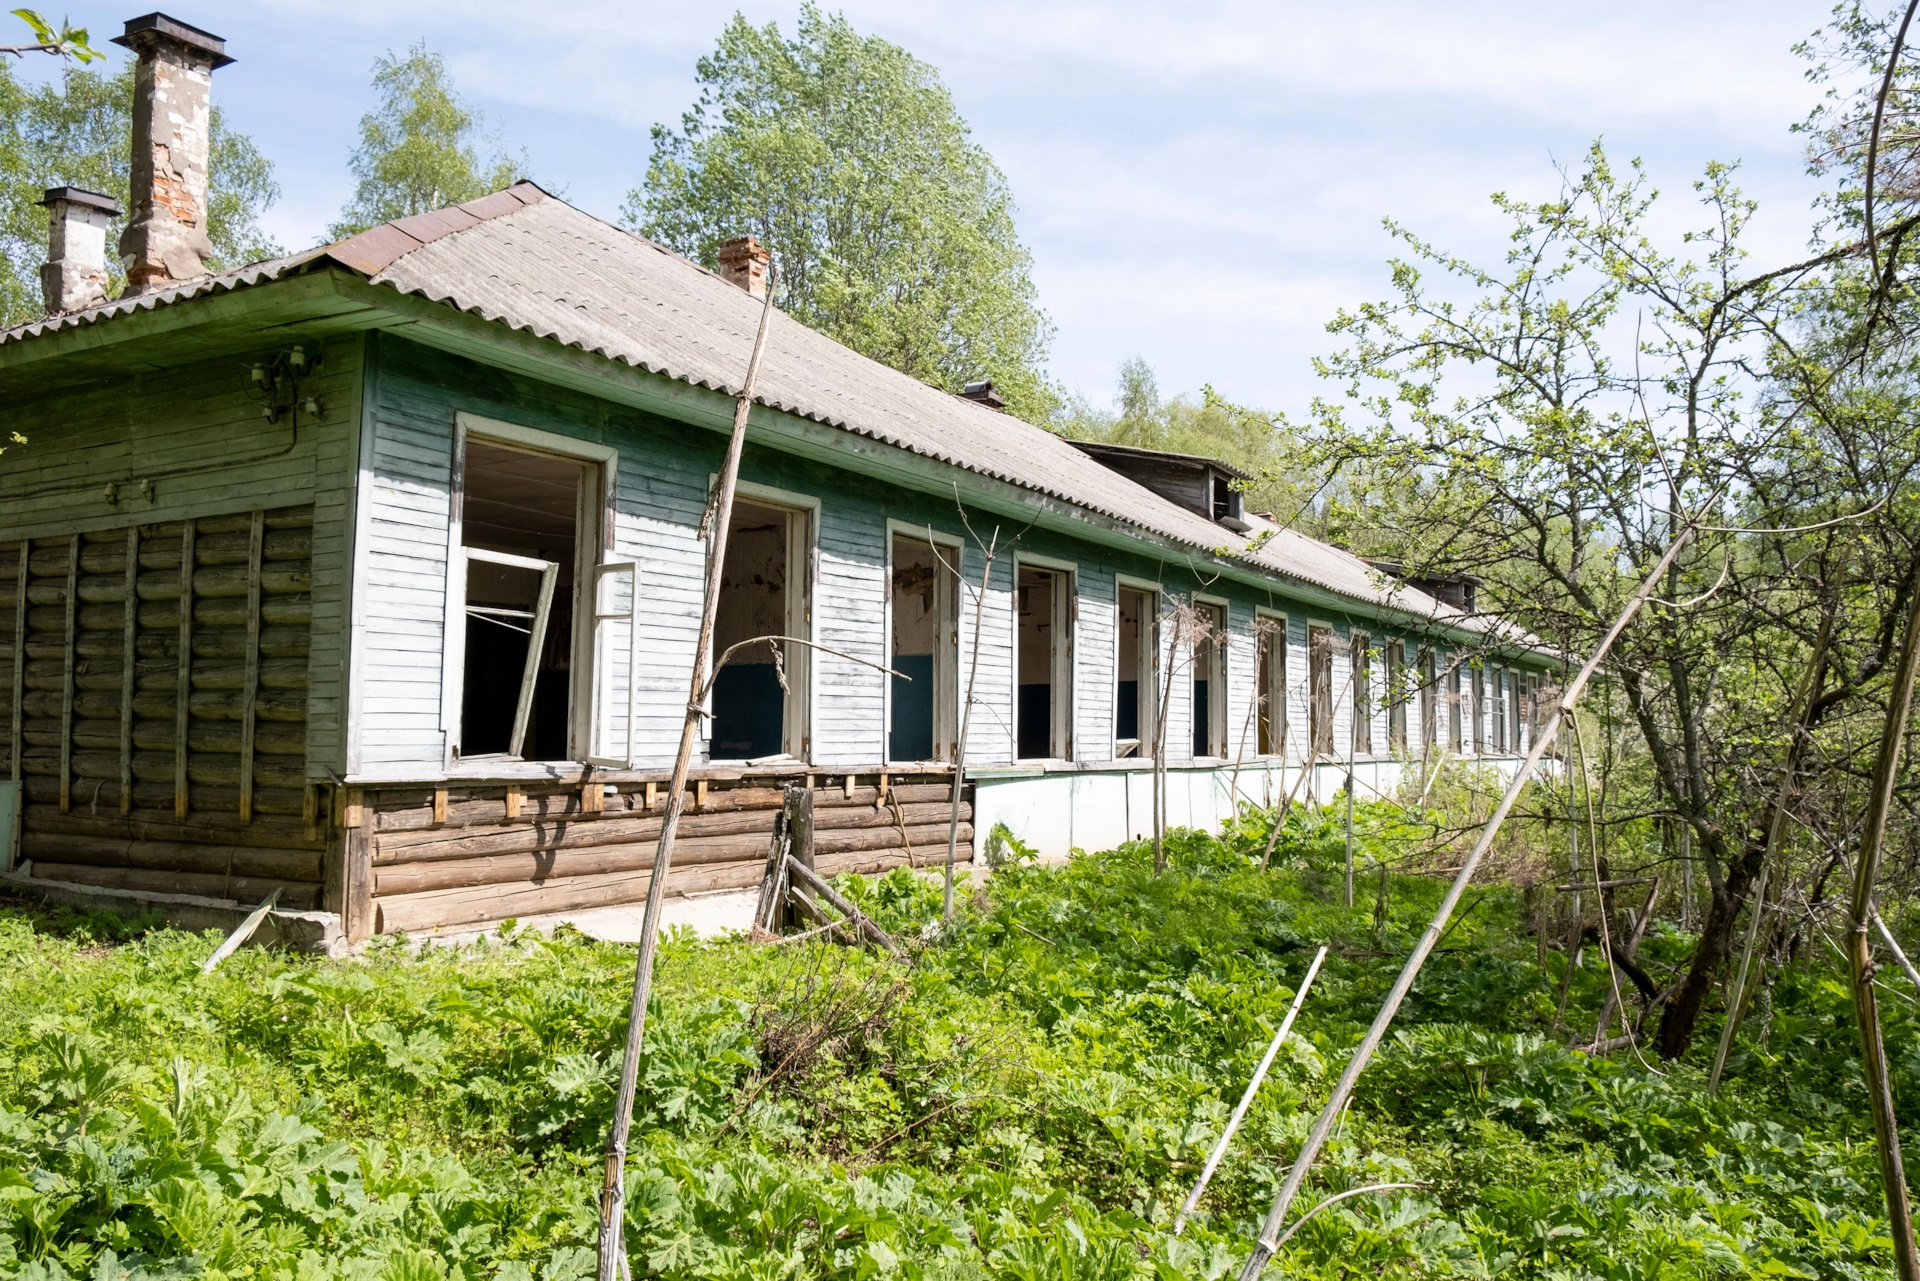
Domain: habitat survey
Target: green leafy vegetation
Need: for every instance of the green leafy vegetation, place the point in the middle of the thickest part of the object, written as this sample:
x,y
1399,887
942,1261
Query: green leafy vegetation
x,y
891,228
73,132
417,147
1031,1097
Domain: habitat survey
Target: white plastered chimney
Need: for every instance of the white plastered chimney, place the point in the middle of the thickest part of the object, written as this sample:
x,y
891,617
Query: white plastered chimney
x,y
75,273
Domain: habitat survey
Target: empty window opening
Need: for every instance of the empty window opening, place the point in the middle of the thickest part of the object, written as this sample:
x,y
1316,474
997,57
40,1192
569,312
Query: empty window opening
x,y
520,529
1479,679
924,644
1456,711
1209,681
1497,710
1429,709
758,692
1270,658
1320,690
1134,684
1397,695
1045,610
1360,659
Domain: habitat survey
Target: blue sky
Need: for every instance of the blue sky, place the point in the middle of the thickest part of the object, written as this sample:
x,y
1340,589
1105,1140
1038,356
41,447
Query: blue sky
x,y
1200,184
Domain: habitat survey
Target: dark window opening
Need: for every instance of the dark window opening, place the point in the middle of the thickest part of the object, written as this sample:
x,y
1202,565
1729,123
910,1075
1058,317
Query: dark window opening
x,y
1456,712
1271,679
1320,690
1043,715
1209,681
1360,659
1134,686
923,648
756,692
520,518
1397,695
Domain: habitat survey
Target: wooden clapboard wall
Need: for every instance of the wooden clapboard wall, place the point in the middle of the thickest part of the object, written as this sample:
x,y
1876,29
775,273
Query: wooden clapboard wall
x,y
156,711
452,857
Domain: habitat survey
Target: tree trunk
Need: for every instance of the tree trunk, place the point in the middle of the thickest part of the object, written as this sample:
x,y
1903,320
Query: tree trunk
x,y
1682,1015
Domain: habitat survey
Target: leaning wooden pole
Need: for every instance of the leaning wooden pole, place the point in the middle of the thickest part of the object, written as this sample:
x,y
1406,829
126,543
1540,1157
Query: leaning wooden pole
x,y
966,723
1866,870
613,1191
1269,1239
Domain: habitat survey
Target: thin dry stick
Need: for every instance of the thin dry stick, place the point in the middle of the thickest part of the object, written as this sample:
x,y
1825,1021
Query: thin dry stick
x,y
1866,870
966,715
1600,894
1246,1099
1269,1239
1338,1197
1633,950
613,1190
1803,697
1913,975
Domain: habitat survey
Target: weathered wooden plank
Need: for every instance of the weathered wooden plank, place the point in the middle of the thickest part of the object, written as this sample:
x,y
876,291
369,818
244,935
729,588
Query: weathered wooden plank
x,y
183,689
546,838
250,690
207,828
66,692
357,917
128,657
294,894
192,857
19,655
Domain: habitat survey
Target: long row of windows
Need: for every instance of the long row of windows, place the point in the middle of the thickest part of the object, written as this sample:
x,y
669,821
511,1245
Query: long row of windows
x,y
532,683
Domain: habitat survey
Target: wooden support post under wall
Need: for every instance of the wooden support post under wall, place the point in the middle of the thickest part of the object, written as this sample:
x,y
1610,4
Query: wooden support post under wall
x,y
128,640
19,660
250,690
66,684
183,686
514,797
356,899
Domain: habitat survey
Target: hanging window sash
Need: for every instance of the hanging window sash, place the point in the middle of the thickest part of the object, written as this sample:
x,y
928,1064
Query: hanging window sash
x,y
616,662
531,623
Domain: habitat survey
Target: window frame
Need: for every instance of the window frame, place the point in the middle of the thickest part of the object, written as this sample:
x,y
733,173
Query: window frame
x,y
1360,674
946,660
1147,692
1066,626
803,571
1219,732
1321,704
1271,685
596,522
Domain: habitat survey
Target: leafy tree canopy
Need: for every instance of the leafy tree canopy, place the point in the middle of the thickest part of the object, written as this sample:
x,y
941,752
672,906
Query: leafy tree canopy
x,y
1264,446
892,230
76,132
418,146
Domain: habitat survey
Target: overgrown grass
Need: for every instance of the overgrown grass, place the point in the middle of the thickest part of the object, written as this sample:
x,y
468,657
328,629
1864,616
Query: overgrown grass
x,y
1031,1098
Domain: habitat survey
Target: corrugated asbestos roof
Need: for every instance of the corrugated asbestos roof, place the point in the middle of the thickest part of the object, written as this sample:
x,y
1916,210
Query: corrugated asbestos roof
x,y
526,260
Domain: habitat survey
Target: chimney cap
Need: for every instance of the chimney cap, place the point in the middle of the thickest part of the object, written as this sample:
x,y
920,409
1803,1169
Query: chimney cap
x,y
81,196
985,393
177,31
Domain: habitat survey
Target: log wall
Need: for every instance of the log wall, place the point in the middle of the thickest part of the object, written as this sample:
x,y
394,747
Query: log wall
x,y
157,704
467,855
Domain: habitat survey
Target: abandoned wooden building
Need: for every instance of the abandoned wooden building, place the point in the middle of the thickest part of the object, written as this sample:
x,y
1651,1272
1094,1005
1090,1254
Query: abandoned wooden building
x,y
371,575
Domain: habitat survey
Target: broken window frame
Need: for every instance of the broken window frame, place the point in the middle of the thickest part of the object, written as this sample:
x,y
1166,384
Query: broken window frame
x,y
594,525
1146,675
1429,703
602,669
536,632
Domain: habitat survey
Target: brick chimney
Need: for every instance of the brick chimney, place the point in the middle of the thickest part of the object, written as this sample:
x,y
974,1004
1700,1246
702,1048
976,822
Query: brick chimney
x,y
75,273
166,242
744,263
